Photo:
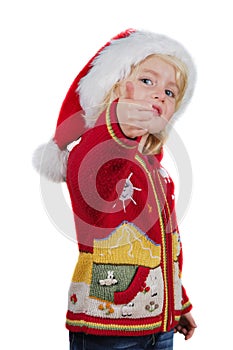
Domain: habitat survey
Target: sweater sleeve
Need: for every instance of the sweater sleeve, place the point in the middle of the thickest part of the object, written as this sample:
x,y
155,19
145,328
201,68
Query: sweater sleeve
x,y
97,170
186,304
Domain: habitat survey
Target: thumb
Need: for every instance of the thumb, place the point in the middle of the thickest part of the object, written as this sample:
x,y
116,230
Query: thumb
x,y
129,90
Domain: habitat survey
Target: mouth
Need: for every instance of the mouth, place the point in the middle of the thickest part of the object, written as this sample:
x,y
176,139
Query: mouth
x,y
157,110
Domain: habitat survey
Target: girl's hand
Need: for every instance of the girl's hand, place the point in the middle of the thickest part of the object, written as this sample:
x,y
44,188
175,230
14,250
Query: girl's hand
x,y
186,326
137,117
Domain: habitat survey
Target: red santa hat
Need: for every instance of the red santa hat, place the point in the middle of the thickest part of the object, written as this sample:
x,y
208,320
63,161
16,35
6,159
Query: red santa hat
x,y
110,64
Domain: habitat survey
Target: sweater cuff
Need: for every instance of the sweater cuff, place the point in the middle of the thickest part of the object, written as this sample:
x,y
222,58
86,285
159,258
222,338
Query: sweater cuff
x,y
186,304
115,131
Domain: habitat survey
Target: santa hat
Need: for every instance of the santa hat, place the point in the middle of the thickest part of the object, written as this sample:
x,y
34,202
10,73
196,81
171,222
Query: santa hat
x,y
110,64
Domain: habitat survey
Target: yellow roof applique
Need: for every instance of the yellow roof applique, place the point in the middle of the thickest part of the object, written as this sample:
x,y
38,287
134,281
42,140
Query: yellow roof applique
x,y
127,244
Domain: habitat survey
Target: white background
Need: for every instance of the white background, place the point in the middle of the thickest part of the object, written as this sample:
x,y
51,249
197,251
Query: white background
x,y
44,44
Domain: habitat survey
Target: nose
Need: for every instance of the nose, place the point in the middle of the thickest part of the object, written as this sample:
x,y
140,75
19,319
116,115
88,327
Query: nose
x,y
159,94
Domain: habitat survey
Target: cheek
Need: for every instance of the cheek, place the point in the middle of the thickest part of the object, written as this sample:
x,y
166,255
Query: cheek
x,y
170,110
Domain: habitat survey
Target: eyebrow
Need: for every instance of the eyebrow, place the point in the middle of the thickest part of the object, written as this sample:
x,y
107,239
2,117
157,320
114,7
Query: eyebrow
x,y
170,83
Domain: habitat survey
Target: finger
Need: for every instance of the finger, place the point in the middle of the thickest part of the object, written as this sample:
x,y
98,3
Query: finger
x,y
189,334
140,115
134,131
140,132
129,87
178,328
182,330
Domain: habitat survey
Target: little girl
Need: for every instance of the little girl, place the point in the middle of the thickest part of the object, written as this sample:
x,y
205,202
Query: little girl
x,y
126,291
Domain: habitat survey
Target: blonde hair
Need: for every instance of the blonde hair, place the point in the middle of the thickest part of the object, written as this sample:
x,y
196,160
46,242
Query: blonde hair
x,y
155,142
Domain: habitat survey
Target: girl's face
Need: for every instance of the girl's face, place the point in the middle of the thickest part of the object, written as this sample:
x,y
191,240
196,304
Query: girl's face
x,y
154,82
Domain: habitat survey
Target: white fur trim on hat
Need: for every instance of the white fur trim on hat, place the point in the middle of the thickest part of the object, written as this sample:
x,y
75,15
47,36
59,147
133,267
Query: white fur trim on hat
x,y
114,63
50,161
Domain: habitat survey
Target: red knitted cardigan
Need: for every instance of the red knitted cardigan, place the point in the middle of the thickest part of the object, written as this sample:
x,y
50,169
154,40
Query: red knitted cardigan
x,y
127,280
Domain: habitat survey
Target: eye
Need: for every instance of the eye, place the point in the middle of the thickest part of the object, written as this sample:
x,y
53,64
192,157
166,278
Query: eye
x,y
169,93
146,81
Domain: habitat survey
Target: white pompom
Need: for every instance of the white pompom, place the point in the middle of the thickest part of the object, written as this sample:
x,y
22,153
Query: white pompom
x,y
50,161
